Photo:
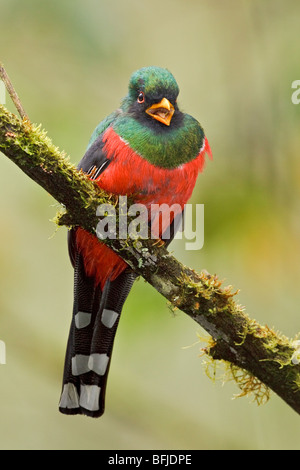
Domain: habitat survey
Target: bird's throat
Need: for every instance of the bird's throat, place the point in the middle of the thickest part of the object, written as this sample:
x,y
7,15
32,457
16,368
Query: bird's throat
x,y
169,147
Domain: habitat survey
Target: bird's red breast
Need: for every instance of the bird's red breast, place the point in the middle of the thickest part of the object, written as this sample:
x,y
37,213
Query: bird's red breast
x,y
130,174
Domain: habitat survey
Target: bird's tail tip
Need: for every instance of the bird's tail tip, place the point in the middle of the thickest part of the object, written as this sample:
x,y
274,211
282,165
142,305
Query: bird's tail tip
x,y
85,401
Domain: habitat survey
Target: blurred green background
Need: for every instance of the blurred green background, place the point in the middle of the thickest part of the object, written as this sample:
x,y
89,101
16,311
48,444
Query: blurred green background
x,y
70,62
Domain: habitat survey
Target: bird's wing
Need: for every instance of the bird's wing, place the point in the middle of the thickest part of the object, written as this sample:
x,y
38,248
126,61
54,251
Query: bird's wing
x,y
93,163
94,160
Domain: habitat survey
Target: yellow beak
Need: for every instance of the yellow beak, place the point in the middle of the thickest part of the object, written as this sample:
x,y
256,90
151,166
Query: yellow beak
x,y
162,111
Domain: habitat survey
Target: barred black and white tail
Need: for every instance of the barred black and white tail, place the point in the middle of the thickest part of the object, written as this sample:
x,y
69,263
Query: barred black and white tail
x,y
94,324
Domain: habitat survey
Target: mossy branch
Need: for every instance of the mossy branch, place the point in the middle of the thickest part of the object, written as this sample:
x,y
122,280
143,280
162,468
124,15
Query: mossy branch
x,y
255,350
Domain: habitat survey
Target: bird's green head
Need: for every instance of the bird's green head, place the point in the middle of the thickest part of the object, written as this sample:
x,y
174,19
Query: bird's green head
x,y
151,122
152,95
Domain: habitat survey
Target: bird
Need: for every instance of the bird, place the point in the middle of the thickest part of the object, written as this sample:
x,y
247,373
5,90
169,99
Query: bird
x,y
148,150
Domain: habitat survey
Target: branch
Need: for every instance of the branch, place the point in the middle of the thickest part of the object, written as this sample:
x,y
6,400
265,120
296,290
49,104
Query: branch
x,y
12,92
256,354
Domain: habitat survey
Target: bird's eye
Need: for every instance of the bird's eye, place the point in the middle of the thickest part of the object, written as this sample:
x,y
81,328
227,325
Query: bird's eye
x,y
141,97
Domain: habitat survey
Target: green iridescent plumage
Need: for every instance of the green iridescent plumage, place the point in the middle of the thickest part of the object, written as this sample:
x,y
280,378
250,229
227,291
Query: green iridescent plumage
x,y
168,149
154,81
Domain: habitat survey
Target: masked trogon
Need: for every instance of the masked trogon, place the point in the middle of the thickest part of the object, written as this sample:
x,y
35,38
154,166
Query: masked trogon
x,y
152,152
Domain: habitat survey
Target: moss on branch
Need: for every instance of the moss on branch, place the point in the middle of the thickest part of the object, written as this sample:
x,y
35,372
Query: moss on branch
x,y
257,352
